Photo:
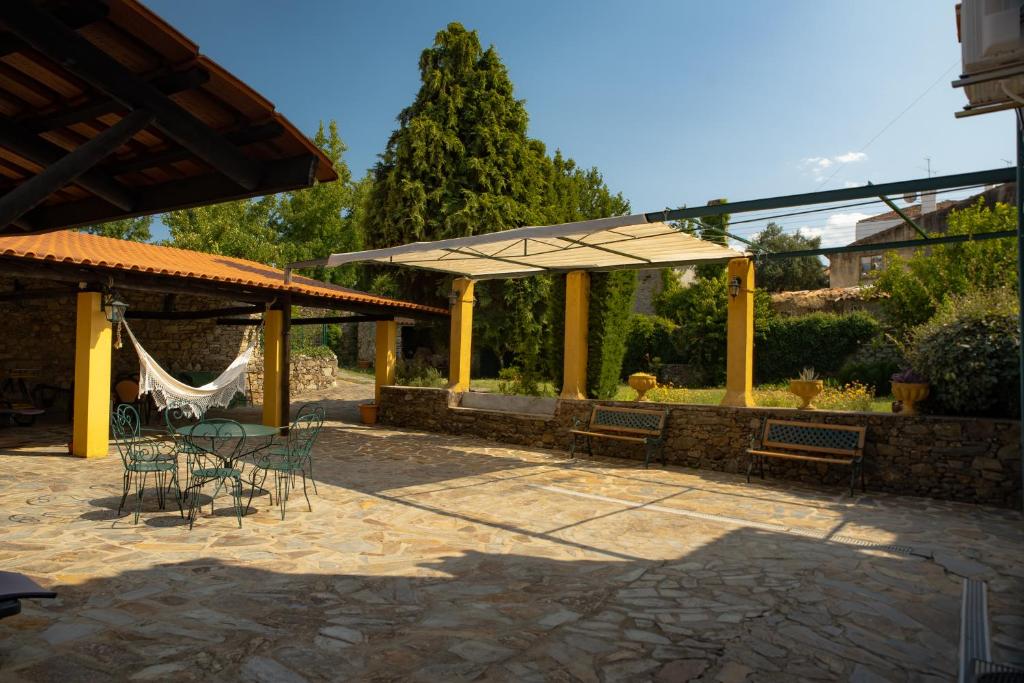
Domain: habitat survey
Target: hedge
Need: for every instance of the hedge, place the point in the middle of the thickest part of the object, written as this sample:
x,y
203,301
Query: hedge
x,y
648,342
611,304
785,345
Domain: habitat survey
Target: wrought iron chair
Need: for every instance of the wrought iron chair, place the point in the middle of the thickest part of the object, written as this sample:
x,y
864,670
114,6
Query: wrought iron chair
x,y
291,460
176,418
318,410
141,457
215,446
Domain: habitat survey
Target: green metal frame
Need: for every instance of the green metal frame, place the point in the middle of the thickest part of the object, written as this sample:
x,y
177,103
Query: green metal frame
x,y
142,456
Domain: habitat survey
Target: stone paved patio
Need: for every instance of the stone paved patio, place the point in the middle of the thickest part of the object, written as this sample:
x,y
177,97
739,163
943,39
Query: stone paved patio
x,y
437,558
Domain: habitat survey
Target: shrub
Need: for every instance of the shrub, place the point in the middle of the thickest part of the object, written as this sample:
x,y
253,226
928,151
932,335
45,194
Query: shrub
x,y
648,344
611,304
514,381
417,373
873,365
970,352
785,345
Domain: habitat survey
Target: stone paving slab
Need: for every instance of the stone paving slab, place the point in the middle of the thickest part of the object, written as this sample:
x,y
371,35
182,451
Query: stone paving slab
x,y
429,557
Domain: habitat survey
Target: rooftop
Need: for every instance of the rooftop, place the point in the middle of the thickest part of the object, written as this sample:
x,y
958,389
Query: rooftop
x,y
68,249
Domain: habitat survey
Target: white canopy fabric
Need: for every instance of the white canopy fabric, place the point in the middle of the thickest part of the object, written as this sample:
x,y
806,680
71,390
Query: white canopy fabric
x,y
621,242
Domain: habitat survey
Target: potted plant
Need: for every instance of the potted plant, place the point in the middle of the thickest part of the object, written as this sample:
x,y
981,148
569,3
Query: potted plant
x,y
806,387
641,383
368,413
909,387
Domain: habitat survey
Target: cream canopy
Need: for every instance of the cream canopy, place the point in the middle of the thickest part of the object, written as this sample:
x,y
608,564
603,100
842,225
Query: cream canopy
x,y
620,242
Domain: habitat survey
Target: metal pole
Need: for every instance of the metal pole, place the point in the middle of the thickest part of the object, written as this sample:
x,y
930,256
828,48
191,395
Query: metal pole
x,y
1020,276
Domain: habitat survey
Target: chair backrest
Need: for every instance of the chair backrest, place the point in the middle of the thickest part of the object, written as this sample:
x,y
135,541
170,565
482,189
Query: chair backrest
x,y
216,439
127,429
628,420
312,408
176,417
304,431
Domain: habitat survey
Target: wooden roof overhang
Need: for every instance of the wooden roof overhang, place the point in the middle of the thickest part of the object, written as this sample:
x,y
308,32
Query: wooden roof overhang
x,y
108,112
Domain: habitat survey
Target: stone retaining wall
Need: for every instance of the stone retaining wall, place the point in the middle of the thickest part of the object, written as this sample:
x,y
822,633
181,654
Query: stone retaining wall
x,y
307,374
964,459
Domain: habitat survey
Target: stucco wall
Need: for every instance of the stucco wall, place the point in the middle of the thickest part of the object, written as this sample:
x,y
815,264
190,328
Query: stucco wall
x,y
962,459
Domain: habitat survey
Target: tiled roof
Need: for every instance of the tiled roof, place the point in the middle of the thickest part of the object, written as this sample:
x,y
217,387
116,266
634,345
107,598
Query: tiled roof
x,y
912,211
79,248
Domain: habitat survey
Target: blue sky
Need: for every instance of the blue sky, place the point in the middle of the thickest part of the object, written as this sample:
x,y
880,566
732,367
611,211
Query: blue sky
x,y
675,102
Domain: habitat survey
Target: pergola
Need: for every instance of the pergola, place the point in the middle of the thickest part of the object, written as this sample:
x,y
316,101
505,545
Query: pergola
x,y
90,268
633,242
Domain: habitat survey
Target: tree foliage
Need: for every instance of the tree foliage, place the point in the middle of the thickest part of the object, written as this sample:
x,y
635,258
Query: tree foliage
x,y
280,229
914,288
787,275
134,229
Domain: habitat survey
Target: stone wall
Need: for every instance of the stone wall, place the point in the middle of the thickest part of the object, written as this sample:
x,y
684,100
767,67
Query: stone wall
x,y
307,374
836,300
964,459
40,334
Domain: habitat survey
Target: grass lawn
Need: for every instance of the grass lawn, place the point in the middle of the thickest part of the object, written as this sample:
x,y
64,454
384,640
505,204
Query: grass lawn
x,y
765,395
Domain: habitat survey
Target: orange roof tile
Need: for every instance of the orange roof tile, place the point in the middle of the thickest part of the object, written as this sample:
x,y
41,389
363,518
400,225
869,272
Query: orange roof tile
x,y
79,248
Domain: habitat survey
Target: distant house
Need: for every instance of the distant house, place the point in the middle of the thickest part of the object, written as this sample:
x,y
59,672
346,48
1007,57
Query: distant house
x,y
858,268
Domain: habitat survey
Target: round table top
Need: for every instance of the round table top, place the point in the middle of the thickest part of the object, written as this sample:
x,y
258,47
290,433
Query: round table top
x,y
224,430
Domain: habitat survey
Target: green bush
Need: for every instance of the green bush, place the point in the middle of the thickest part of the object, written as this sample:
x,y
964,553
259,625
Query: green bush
x,y
786,345
514,381
873,364
648,344
611,304
970,353
417,373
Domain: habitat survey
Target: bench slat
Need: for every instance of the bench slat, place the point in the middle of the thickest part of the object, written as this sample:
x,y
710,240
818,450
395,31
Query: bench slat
x,y
793,456
606,435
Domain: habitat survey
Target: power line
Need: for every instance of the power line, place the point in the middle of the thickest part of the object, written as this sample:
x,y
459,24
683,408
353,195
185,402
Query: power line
x,y
893,121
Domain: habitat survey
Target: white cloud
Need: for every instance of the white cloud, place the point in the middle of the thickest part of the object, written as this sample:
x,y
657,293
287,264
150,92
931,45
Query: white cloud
x,y
839,228
817,166
850,157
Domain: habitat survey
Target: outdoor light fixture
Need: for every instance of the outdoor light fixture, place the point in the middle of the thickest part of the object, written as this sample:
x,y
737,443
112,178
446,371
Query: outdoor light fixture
x,y
114,308
734,286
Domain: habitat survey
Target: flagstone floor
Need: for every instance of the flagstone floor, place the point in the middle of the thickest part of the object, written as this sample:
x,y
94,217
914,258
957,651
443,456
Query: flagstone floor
x,y
437,558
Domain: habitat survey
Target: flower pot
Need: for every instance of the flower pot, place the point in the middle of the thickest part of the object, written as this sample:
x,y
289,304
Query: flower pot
x,y
806,390
368,413
909,393
641,383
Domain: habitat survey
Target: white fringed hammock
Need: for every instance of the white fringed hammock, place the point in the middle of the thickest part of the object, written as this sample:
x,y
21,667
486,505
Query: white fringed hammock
x,y
169,393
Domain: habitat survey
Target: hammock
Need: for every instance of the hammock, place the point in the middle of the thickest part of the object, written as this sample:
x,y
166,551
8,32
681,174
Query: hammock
x,y
169,393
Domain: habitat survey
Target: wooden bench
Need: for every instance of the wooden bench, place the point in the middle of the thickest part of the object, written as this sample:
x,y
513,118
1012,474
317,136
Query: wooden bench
x,y
809,442
629,425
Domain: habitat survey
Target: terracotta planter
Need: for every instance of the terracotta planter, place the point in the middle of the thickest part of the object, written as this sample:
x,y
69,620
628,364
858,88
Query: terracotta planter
x,y
806,390
641,383
368,413
909,393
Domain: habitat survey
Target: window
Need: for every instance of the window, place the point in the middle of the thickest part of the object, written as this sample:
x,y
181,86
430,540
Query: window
x,y
870,266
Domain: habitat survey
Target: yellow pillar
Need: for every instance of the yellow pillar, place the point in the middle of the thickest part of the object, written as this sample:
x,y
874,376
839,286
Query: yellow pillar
x,y
577,305
387,354
739,360
90,435
461,336
273,357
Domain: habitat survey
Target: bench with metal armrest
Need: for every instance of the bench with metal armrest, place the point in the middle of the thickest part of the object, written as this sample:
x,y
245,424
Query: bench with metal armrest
x,y
809,442
628,425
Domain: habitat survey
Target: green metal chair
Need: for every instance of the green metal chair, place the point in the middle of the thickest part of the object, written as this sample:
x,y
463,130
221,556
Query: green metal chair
x,y
215,446
291,460
318,410
141,457
175,418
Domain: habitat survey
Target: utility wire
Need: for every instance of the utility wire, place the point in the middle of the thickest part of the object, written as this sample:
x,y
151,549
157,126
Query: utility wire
x,y
893,121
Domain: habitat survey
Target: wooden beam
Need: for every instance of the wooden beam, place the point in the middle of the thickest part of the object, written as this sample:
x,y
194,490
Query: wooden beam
x,y
75,15
168,84
80,57
24,143
244,136
287,174
20,294
328,320
26,196
191,315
